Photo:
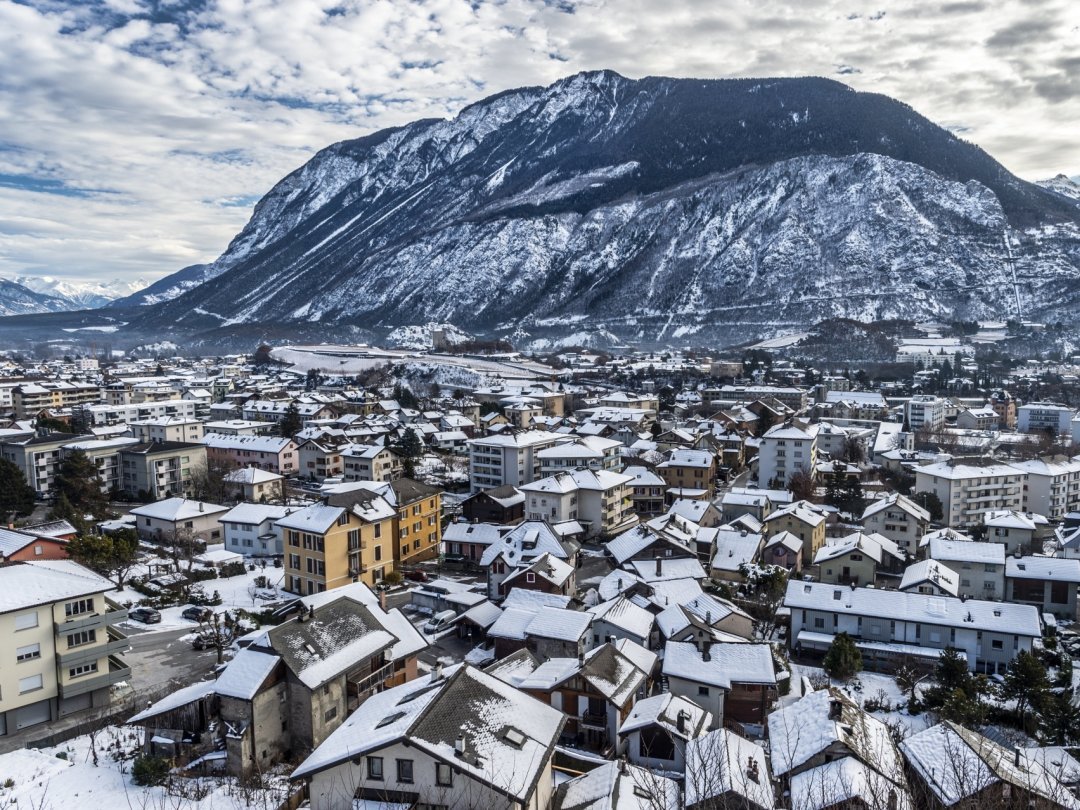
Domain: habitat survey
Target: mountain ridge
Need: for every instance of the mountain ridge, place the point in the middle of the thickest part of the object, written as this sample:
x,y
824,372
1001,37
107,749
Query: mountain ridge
x,y
540,206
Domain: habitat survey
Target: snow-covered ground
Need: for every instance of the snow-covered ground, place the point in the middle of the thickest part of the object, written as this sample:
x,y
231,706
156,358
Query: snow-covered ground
x,y
65,778
236,592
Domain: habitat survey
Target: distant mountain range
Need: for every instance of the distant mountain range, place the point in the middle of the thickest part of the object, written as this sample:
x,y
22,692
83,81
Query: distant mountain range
x,y
24,295
655,209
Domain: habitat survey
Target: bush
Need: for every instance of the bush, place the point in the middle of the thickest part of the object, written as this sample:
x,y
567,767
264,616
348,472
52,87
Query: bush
x,y
393,578
201,574
147,770
233,569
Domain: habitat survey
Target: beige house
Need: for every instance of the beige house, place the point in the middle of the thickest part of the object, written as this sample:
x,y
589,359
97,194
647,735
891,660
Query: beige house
x,y
165,519
899,518
61,650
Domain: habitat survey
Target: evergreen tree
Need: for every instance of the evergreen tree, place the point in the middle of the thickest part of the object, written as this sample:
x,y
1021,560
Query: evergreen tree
x,y
410,448
952,671
16,496
931,503
843,660
79,482
290,423
854,501
1060,720
1026,683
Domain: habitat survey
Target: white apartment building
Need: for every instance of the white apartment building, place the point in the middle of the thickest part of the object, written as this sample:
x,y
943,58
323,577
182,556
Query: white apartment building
x,y
39,458
924,410
508,458
117,414
105,454
1043,417
1052,487
599,500
168,429
969,487
784,449
980,566
580,452
898,518
60,648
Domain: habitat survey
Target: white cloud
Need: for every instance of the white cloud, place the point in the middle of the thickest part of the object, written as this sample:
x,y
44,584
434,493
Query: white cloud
x,y
159,126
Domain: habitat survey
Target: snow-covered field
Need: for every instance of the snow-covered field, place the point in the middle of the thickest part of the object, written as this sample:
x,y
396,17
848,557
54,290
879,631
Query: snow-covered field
x,y
236,592
65,778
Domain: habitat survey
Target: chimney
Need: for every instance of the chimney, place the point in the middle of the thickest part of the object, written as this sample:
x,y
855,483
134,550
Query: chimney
x,y
836,708
659,566
436,674
706,651
459,745
680,721
1016,757
581,659
752,769
382,599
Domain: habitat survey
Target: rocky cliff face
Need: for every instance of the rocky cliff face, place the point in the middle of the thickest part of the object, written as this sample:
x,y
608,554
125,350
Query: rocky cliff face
x,y
656,208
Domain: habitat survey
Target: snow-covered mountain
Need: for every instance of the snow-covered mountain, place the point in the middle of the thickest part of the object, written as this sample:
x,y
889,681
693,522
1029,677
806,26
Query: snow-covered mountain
x,y
15,299
80,294
655,208
1065,186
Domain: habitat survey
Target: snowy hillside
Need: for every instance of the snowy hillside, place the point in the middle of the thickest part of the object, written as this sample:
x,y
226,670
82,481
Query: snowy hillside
x,y
651,208
81,295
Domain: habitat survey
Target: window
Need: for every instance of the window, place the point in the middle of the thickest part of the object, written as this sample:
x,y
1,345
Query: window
x,y
997,644
374,768
330,714
703,691
404,771
81,638
26,621
78,607
378,553
84,669
28,653
444,775
378,530
30,684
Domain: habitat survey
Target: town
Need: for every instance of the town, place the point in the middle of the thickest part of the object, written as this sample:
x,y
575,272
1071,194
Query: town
x,y
462,576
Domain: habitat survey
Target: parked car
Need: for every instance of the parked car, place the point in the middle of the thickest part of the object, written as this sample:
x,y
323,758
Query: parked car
x,y
440,621
196,613
145,615
416,575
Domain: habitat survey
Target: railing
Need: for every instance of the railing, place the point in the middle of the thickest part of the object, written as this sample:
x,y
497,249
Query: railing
x,y
593,720
112,615
116,642
118,671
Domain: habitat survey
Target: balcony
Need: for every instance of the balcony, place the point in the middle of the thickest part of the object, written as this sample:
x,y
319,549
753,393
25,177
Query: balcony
x,y
116,642
118,671
113,614
593,720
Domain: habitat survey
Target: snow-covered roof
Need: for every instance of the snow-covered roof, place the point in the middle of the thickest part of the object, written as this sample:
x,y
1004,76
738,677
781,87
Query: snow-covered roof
x,y
523,543
663,710
873,545
933,572
1050,569
318,518
966,551
618,786
975,614
43,582
896,501
559,624
256,444
252,475
245,674
508,735
625,615
720,763
846,782
801,730
175,700
735,548
957,763
252,514
534,600
720,664
960,469
175,509
677,568
643,477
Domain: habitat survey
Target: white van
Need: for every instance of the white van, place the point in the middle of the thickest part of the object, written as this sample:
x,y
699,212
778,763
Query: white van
x,y
440,621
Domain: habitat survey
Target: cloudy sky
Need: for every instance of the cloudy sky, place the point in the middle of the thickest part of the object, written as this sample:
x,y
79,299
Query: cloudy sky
x,y
136,135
